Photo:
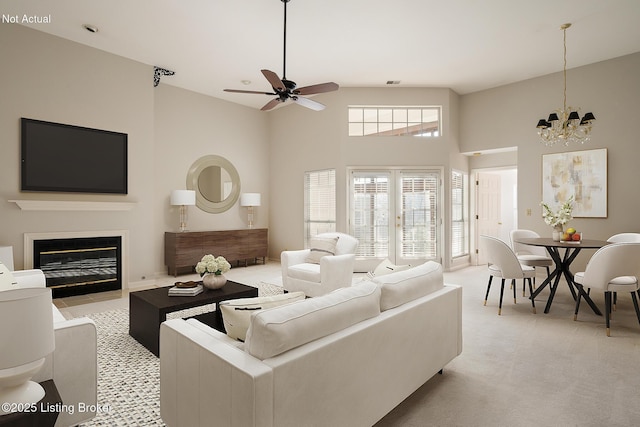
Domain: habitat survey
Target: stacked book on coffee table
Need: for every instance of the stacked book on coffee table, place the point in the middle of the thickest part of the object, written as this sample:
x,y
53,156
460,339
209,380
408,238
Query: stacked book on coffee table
x,y
185,289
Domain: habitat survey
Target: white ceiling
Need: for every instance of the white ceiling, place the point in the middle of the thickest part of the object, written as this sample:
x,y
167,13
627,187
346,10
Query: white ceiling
x,y
466,45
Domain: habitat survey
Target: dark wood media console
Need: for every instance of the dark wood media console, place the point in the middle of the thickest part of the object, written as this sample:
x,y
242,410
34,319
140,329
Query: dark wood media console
x,y
182,251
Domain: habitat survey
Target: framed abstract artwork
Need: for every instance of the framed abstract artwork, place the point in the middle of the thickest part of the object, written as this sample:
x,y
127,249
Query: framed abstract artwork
x,y
581,174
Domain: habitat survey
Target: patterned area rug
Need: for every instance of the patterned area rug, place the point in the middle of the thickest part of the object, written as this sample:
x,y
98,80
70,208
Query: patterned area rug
x,y
128,373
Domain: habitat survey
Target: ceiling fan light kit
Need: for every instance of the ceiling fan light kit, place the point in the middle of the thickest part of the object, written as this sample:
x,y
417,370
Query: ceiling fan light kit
x,y
564,125
285,89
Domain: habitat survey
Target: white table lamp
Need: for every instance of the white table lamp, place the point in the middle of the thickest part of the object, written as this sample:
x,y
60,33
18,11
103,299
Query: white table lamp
x,y
26,333
183,198
250,200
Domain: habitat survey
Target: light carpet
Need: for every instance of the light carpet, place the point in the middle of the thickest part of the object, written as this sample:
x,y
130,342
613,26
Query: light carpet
x,y
128,373
518,369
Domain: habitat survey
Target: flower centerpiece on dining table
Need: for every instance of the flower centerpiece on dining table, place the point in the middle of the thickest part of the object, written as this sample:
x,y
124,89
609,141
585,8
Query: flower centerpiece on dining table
x,y
559,218
211,269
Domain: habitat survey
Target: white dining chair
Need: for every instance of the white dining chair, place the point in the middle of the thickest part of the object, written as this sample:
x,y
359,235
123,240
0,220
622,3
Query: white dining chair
x,y
503,263
622,238
532,256
613,268
625,238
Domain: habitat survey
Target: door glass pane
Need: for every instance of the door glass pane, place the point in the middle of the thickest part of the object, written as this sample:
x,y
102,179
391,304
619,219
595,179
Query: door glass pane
x,y
419,196
370,218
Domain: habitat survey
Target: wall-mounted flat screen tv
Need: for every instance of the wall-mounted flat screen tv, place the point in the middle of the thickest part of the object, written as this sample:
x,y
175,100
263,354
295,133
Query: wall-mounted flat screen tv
x,y
64,158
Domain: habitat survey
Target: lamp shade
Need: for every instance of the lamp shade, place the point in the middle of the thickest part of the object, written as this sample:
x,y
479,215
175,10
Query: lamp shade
x,y
250,199
183,197
26,326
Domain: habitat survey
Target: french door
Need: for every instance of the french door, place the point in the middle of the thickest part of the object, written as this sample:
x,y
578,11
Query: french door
x,y
395,214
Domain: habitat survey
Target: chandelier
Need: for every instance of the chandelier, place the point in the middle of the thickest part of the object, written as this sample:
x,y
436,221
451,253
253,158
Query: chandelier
x,y
564,125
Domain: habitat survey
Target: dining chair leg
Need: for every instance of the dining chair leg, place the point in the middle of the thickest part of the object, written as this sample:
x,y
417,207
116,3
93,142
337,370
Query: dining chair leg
x,y
501,295
533,302
486,297
635,305
607,311
513,285
615,301
580,290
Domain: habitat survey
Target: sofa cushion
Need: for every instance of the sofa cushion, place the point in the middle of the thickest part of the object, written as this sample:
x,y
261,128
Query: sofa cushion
x,y
387,267
236,313
276,330
320,247
404,286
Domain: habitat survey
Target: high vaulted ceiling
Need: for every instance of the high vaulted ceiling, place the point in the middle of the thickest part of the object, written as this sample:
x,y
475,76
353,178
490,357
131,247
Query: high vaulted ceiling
x,y
466,45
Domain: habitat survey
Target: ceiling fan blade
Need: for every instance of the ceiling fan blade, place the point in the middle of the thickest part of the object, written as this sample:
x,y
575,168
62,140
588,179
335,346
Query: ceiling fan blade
x,y
306,102
249,91
271,104
274,80
319,88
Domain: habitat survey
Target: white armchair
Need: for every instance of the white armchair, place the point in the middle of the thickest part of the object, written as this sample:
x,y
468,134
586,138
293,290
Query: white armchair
x,y
332,272
73,364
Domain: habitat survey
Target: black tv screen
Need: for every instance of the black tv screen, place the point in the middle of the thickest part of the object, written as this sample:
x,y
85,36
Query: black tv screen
x,y
64,158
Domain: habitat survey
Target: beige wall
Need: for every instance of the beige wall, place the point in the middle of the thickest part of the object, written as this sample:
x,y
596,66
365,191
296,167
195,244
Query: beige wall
x,y
188,126
49,78
506,117
304,140
52,79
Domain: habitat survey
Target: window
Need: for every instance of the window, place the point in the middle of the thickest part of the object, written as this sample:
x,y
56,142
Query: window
x,y
394,121
319,203
370,192
459,235
394,213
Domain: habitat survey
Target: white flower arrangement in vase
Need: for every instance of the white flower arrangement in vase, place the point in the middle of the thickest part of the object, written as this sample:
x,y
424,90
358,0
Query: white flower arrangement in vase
x,y
211,270
559,218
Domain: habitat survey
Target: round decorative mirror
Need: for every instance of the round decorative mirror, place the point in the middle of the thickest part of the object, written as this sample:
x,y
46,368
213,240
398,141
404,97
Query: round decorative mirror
x,y
216,183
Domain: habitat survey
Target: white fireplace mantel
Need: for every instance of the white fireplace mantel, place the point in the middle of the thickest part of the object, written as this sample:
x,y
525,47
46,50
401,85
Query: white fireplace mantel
x,y
72,205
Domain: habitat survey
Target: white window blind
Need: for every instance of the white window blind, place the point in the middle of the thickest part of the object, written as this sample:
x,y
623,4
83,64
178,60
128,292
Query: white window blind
x,y
319,203
459,235
370,213
419,214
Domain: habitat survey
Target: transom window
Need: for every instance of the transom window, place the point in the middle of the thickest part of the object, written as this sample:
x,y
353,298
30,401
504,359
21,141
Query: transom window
x,y
394,121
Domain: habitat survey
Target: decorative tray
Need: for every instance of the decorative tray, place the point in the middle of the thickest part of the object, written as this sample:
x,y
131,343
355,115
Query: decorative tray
x,y
190,284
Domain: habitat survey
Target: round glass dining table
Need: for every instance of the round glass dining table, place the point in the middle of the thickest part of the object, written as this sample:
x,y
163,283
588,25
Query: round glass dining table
x,y
562,266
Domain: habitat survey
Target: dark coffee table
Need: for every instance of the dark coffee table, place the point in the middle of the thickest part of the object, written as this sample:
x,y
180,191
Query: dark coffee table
x,y
149,308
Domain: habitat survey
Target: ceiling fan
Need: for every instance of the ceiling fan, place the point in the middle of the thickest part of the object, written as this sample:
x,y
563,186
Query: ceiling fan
x,y
286,89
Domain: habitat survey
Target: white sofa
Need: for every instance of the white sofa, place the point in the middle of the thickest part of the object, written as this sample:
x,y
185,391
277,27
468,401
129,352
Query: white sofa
x,y
346,358
73,364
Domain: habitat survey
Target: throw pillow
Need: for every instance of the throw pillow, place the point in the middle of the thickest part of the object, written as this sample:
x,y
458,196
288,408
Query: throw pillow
x,y
404,286
321,247
280,329
386,267
236,313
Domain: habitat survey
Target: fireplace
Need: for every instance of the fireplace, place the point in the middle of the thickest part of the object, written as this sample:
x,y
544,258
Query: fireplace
x,y
79,265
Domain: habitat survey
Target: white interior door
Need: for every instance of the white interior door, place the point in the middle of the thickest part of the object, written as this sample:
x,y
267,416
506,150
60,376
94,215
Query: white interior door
x,y
488,209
